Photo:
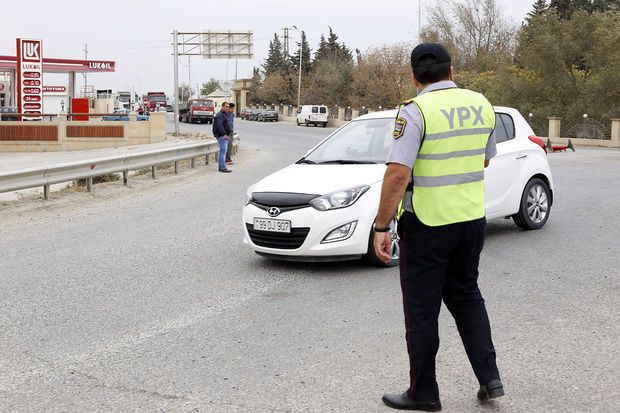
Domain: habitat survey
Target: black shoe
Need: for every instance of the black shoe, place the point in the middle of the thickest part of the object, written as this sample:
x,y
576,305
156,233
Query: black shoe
x,y
404,402
226,170
491,390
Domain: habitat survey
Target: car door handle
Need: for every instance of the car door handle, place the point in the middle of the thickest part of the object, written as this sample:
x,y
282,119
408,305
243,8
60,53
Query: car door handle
x,y
522,155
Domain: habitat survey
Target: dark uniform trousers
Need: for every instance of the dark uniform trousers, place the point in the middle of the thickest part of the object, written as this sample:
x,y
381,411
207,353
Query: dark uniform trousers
x,y
442,263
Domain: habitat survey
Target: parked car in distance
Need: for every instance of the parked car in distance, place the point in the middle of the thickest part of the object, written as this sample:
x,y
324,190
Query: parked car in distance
x,y
255,113
123,115
245,113
5,112
322,207
268,116
312,115
169,108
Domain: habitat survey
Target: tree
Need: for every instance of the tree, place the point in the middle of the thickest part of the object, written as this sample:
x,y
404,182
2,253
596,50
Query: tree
x,y
209,87
276,60
328,83
537,10
306,61
382,77
475,31
255,86
185,92
567,67
331,49
276,89
566,8
321,51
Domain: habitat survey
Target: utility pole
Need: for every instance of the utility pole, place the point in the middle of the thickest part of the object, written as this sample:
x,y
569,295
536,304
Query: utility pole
x,y
189,82
175,48
85,74
285,41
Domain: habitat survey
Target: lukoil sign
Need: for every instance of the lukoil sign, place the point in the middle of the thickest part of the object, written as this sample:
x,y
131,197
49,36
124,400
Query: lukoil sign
x,y
29,76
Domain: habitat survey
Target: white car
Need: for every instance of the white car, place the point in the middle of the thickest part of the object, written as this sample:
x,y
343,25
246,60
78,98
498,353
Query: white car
x,y
322,207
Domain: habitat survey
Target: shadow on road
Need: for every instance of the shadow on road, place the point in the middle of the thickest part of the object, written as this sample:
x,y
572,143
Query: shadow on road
x,y
327,269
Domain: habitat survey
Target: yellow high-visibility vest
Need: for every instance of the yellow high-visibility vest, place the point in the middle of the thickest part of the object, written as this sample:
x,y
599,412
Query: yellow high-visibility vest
x,y
448,175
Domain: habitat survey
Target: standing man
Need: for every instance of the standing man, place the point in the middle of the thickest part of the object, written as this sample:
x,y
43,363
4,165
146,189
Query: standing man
x,y
441,146
222,131
231,120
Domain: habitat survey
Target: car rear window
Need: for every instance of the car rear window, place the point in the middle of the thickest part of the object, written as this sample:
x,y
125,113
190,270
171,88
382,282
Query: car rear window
x,y
315,109
504,127
323,110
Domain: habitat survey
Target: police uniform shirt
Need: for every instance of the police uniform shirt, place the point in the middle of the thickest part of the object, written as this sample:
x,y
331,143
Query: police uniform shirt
x,y
408,133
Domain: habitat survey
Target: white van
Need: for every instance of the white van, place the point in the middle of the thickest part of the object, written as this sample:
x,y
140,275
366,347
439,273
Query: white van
x,y
312,115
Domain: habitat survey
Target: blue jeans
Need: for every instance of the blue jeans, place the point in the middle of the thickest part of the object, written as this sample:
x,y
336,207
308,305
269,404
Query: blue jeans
x,y
223,148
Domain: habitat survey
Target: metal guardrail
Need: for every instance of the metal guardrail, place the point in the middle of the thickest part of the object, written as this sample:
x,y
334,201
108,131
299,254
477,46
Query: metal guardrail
x,y
91,168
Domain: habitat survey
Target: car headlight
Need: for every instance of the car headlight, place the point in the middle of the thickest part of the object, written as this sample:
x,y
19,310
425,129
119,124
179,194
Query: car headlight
x,y
248,193
339,199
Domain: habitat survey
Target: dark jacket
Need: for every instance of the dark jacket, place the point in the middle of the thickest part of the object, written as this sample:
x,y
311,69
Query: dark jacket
x,y
221,125
231,121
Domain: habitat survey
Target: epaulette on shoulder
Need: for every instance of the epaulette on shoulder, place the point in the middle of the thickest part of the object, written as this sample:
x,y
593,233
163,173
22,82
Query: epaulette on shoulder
x,y
406,102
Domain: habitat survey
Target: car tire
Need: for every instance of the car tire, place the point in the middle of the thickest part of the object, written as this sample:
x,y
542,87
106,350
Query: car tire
x,y
324,124
372,258
298,124
306,123
535,205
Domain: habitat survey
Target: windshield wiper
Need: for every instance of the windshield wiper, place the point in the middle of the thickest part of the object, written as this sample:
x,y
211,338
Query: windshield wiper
x,y
304,160
347,162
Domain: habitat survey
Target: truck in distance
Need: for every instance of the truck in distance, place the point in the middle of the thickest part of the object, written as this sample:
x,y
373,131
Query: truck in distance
x,y
156,100
197,110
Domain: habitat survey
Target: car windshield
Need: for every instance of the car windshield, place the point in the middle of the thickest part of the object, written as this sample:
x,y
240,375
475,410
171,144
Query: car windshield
x,y
203,103
360,141
157,98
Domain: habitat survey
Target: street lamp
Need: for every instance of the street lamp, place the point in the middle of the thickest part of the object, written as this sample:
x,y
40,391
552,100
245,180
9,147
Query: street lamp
x,y
301,53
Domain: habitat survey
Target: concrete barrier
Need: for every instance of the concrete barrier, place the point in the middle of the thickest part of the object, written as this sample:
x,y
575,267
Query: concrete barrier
x,y
597,143
63,135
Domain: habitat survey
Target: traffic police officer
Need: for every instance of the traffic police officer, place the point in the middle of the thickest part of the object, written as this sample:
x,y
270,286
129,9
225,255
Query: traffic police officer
x,y
442,143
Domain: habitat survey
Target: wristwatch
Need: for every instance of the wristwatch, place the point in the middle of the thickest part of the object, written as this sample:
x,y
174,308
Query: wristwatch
x,y
381,229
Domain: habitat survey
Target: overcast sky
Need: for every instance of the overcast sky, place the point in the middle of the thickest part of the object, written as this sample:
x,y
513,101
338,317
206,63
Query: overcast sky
x,y
137,33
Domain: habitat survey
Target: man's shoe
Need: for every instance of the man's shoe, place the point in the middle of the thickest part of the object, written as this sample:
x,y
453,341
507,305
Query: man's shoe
x,y
230,163
491,390
225,170
404,402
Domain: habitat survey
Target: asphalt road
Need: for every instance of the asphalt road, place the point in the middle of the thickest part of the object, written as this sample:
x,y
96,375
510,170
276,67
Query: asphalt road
x,y
145,299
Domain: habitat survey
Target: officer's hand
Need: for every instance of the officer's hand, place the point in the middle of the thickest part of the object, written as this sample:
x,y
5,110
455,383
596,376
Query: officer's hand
x,y
383,246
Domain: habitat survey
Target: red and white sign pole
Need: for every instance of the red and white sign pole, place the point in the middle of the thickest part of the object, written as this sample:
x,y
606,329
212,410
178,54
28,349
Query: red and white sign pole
x,y
29,76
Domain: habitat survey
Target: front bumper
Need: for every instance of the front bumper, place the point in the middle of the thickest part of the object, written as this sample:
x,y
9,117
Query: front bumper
x,y
310,227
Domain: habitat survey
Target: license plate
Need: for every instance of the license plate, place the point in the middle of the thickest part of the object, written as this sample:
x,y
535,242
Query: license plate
x,y
272,225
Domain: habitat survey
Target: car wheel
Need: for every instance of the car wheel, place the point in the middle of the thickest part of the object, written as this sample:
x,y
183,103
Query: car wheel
x,y
306,123
535,205
298,124
372,258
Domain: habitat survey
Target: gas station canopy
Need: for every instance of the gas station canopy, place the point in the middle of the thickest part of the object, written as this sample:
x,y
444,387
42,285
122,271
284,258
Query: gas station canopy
x,y
51,65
